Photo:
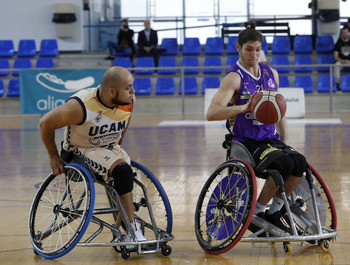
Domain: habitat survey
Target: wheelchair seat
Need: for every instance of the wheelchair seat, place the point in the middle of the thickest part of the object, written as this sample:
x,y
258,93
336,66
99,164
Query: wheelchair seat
x,y
236,149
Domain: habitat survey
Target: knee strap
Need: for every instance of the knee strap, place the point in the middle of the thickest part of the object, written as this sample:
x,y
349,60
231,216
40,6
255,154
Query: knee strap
x,y
123,178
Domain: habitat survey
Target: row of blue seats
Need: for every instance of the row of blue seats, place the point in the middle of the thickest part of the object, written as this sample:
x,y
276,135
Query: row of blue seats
x,y
24,64
302,44
166,85
215,61
27,48
322,86
13,89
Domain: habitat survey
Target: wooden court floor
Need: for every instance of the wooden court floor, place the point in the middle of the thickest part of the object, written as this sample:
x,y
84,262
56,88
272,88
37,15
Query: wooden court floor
x,y
181,151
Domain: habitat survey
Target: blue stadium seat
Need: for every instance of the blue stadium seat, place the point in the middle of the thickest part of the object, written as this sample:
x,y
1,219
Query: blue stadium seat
x,y
143,62
302,44
169,46
345,83
4,65
48,48
231,61
323,85
303,60
190,61
281,60
143,86
44,63
123,62
212,61
210,82
13,88
280,45
304,81
324,44
21,64
167,62
284,81
121,54
191,46
231,46
265,46
2,89
324,59
214,46
191,86
165,86
26,48
6,49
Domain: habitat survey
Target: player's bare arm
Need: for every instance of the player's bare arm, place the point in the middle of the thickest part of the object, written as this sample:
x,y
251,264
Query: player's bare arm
x,y
68,113
229,88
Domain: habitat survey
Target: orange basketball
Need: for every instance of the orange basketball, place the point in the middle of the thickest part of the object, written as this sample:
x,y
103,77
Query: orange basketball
x,y
268,106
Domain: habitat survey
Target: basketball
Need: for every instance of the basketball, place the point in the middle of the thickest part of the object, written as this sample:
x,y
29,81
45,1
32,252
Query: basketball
x,y
268,106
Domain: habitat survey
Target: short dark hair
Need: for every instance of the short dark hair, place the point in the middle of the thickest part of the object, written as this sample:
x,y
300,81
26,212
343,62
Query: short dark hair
x,y
250,33
124,20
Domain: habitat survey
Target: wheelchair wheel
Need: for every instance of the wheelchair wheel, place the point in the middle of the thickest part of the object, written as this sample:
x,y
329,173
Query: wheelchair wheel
x,y
324,199
225,206
158,199
61,211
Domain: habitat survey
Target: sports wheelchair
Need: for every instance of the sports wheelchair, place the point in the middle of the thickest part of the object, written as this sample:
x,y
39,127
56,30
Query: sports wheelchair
x,y
64,206
227,200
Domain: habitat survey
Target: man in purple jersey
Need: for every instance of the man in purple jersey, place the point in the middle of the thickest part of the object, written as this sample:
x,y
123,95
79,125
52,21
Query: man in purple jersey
x,y
232,102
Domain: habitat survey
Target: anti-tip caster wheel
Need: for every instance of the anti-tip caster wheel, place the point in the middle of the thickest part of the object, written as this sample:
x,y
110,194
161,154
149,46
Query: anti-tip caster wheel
x,y
166,250
287,247
325,245
125,253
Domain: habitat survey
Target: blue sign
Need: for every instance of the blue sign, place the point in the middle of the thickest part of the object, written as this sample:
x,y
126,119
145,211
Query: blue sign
x,y
44,90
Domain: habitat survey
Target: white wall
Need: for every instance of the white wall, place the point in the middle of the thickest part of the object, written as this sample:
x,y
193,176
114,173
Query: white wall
x,y
31,19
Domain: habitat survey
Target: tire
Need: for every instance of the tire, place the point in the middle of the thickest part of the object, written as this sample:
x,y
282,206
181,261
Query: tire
x,y
324,199
225,206
61,211
158,199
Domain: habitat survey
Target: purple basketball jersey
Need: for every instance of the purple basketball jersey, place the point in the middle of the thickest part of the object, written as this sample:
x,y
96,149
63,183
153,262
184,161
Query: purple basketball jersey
x,y
244,127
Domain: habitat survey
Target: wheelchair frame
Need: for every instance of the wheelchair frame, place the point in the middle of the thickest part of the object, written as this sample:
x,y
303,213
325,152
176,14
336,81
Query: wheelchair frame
x,y
227,200
64,206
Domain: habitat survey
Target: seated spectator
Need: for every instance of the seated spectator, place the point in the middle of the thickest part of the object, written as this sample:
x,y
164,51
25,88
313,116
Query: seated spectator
x,y
125,42
147,42
341,53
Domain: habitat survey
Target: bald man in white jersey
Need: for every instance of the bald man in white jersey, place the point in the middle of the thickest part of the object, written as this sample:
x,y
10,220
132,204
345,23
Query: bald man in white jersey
x,y
95,122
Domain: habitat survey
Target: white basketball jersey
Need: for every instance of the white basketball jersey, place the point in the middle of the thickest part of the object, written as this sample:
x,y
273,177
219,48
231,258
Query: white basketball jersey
x,y
101,127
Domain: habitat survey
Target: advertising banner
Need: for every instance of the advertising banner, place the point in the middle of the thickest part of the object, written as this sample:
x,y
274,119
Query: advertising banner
x,y
43,90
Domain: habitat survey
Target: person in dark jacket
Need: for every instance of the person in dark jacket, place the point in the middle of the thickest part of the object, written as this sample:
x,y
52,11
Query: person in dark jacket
x,y
125,42
147,42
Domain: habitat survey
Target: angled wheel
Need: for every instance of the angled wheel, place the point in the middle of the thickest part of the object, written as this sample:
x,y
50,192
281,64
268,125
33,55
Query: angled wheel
x,y
61,211
157,197
326,207
225,206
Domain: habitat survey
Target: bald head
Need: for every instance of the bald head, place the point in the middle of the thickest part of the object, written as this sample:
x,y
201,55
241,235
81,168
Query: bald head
x,y
115,77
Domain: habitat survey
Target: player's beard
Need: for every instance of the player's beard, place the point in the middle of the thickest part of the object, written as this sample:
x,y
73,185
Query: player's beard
x,y
118,102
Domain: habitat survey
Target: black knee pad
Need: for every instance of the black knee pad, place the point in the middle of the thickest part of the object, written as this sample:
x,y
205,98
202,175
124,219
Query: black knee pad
x,y
283,164
123,178
300,165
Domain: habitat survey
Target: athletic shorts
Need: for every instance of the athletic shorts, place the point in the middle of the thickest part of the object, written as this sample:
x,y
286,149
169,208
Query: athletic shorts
x,y
264,152
101,159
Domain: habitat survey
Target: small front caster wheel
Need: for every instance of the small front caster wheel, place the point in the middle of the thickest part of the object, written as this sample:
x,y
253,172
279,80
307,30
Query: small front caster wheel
x,y
287,248
325,245
125,253
166,250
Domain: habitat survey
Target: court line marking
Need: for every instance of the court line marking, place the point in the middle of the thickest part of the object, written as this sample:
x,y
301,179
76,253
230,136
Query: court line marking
x,y
289,121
